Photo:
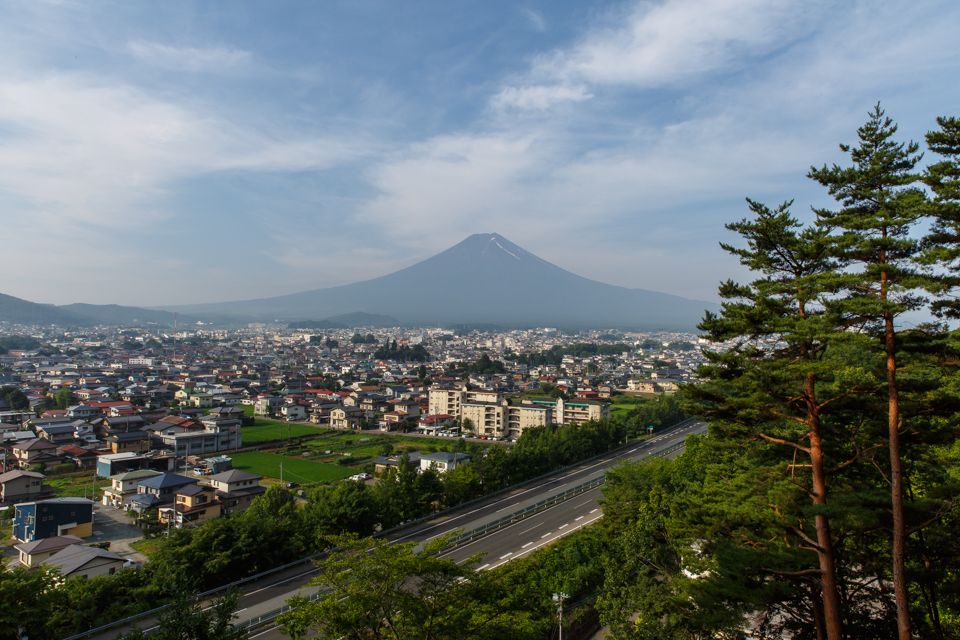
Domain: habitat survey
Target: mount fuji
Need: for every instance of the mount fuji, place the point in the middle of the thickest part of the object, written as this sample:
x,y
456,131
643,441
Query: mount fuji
x,y
486,279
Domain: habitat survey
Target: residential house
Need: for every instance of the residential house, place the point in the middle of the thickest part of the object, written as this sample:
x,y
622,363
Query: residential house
x,y
294,412
86,562
54,517
33,553
193,504
124,485
346,417
128,441
158,491
83,458
443,461
380,465
32,452
320,411
228,412
236,489
201,400
267,405
23,486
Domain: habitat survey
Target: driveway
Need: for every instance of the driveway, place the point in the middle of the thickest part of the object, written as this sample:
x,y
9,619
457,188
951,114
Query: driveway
x,y
113,526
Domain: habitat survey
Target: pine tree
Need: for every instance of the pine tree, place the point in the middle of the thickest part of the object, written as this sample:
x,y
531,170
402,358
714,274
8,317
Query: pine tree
x,y
870,239
777,388
942,243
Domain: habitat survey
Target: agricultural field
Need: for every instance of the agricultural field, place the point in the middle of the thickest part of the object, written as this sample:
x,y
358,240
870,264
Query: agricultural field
x,y
296,469
620,409
269,430
369,443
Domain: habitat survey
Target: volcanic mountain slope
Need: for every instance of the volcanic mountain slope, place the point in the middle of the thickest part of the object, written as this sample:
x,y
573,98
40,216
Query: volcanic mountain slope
x,y
484,279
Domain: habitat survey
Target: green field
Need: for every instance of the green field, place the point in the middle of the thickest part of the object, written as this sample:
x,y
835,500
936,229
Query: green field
x,y
620,409
75,485
296,469
369,443
269,430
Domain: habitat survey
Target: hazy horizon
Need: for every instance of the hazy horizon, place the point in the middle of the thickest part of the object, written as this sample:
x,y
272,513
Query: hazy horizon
x,y
234,151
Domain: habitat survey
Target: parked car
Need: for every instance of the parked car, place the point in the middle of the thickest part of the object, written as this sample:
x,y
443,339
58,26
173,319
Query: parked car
x,y
292,485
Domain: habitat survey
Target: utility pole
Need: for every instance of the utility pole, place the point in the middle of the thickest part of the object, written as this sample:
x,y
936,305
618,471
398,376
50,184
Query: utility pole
x,y
281,474
559,598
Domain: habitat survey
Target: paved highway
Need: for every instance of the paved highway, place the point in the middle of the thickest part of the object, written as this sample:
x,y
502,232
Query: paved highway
x,y
502,545
510,541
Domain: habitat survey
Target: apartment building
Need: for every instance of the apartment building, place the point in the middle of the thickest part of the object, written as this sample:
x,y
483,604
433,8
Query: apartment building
x,y
449,399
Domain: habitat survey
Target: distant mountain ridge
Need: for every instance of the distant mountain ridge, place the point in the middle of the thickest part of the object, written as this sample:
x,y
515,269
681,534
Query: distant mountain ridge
x,y
484,279
18,311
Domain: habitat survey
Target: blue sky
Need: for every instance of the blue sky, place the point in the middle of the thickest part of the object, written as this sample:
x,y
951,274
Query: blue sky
x,y
180,152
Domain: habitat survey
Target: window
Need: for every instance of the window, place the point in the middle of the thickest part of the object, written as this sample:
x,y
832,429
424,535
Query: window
x,y
112,571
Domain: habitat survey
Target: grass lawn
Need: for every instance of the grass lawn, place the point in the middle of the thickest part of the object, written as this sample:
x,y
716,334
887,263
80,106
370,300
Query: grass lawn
x,y
369,443
147,546
297,469
73,485
621,409
247,409
268,430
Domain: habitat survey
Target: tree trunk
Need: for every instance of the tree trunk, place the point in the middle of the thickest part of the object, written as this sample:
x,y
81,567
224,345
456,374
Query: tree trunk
x,y
896,486
832,616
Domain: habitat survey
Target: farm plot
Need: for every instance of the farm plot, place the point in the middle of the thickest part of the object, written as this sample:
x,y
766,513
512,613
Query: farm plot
x,y
296,469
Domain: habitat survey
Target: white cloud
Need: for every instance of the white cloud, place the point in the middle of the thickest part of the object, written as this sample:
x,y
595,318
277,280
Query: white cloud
x,y
654,45
85,152
210,59
539,97
447,185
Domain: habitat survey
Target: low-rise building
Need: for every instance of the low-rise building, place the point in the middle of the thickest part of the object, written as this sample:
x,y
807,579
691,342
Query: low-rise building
x,y
158,491
383,464
23,486
193,504
86,562
213,437
32,451
236,489
33,553
54,517
124,485
346,417
443,461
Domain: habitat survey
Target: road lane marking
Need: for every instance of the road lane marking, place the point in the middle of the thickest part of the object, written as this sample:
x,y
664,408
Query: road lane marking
x,y
531,528
526,551
510,553
277,584
595,510
580,518
545,535
526,545
483,567
562,526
